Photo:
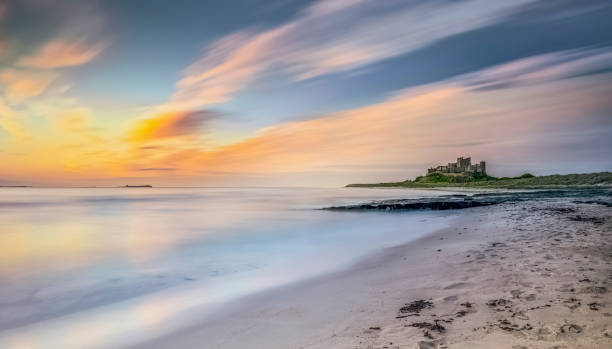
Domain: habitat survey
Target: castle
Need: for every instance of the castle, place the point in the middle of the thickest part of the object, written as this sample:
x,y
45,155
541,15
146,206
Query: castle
x,y
462,165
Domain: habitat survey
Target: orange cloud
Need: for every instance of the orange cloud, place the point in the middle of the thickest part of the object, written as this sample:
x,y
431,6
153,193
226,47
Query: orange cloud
x,y
391,140
411,129
171,124
62,53
352,137
8,122
20,85
75,119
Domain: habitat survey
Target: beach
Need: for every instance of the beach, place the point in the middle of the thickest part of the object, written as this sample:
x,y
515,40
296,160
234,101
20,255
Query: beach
x,y
532,274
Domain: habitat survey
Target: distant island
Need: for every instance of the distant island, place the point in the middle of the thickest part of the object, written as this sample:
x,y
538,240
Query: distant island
x,y
137,186
463,173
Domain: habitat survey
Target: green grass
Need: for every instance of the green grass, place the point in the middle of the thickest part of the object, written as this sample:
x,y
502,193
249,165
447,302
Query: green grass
x,y
436,180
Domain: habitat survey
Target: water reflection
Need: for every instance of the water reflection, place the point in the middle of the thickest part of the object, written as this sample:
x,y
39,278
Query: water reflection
x,y
110,267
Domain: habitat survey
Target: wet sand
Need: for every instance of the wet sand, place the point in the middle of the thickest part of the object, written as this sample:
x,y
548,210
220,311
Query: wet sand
x,y
533,274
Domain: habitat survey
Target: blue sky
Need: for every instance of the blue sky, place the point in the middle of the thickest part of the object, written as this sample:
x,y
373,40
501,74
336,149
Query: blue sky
x,y
110,66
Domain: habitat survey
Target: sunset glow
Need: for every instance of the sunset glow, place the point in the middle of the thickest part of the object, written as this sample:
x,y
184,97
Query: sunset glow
x,y
86,102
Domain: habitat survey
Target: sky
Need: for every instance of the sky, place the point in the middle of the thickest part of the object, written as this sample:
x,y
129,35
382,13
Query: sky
x,y
300,92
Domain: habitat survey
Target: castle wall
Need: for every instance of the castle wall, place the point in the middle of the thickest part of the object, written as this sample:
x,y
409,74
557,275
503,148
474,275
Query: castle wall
x,y
462,165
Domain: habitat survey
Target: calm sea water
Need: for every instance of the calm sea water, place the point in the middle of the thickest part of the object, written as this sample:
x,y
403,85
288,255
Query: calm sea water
x,y
108,268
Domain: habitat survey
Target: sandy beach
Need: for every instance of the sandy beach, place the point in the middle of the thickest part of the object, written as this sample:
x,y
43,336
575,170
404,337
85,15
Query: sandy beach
x,y
534,274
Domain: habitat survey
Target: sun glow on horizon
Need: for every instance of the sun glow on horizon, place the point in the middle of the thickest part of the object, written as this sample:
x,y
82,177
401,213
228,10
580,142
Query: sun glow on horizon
x,y
247,109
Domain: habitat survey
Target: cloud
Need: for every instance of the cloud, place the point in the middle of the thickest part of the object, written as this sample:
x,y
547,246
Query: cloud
x,y
330,36
171,124
540,69
73,120
156,169
392,140
77,33
421,125
62,53
20,85
8,122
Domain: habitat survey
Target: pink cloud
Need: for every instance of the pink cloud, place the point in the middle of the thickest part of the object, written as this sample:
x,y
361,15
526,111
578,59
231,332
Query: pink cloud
x,y
20,85
540,69
327,37
62,53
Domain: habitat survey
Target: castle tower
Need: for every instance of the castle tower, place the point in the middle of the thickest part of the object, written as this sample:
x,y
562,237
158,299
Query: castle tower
x,y
483,169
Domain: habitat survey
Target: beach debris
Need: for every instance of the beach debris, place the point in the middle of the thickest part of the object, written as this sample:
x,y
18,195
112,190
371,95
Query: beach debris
x,y
405,316
594,306
468,309
499,302
498,244
462,313
506,325
436,327
520,315
375,328
572,303
570,328
416,306
595,289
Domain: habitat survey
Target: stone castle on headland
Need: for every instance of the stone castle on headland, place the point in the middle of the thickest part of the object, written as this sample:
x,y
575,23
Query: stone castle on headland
x,y
463,165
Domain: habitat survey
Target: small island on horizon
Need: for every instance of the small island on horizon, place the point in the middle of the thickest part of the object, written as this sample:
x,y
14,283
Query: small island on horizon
x,y
136,186
463,173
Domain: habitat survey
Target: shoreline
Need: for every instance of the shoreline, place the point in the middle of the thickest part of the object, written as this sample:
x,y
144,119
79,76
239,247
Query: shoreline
x,y
454,267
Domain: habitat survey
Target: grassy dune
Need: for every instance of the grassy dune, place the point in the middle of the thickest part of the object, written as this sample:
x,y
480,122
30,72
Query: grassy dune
x,y
525,181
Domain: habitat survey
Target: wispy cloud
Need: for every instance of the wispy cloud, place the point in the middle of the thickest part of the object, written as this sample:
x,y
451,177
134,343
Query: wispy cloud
x,y
541,68
435,121
61,53
171,124
75,37
20,85
524,124
9,122
76,119
328,37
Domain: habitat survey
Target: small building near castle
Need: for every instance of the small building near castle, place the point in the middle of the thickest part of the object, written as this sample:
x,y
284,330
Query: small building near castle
x,y
463,165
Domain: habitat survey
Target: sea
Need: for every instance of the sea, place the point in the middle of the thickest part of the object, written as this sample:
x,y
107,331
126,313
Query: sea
x,y
115,267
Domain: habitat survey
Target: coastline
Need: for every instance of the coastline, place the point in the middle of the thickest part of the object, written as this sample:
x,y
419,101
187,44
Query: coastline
x,y
519,275
469,179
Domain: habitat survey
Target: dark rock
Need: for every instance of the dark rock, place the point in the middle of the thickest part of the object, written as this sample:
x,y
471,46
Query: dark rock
x,y
432,327
454,202
594,306
498,302
571,328
416,306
